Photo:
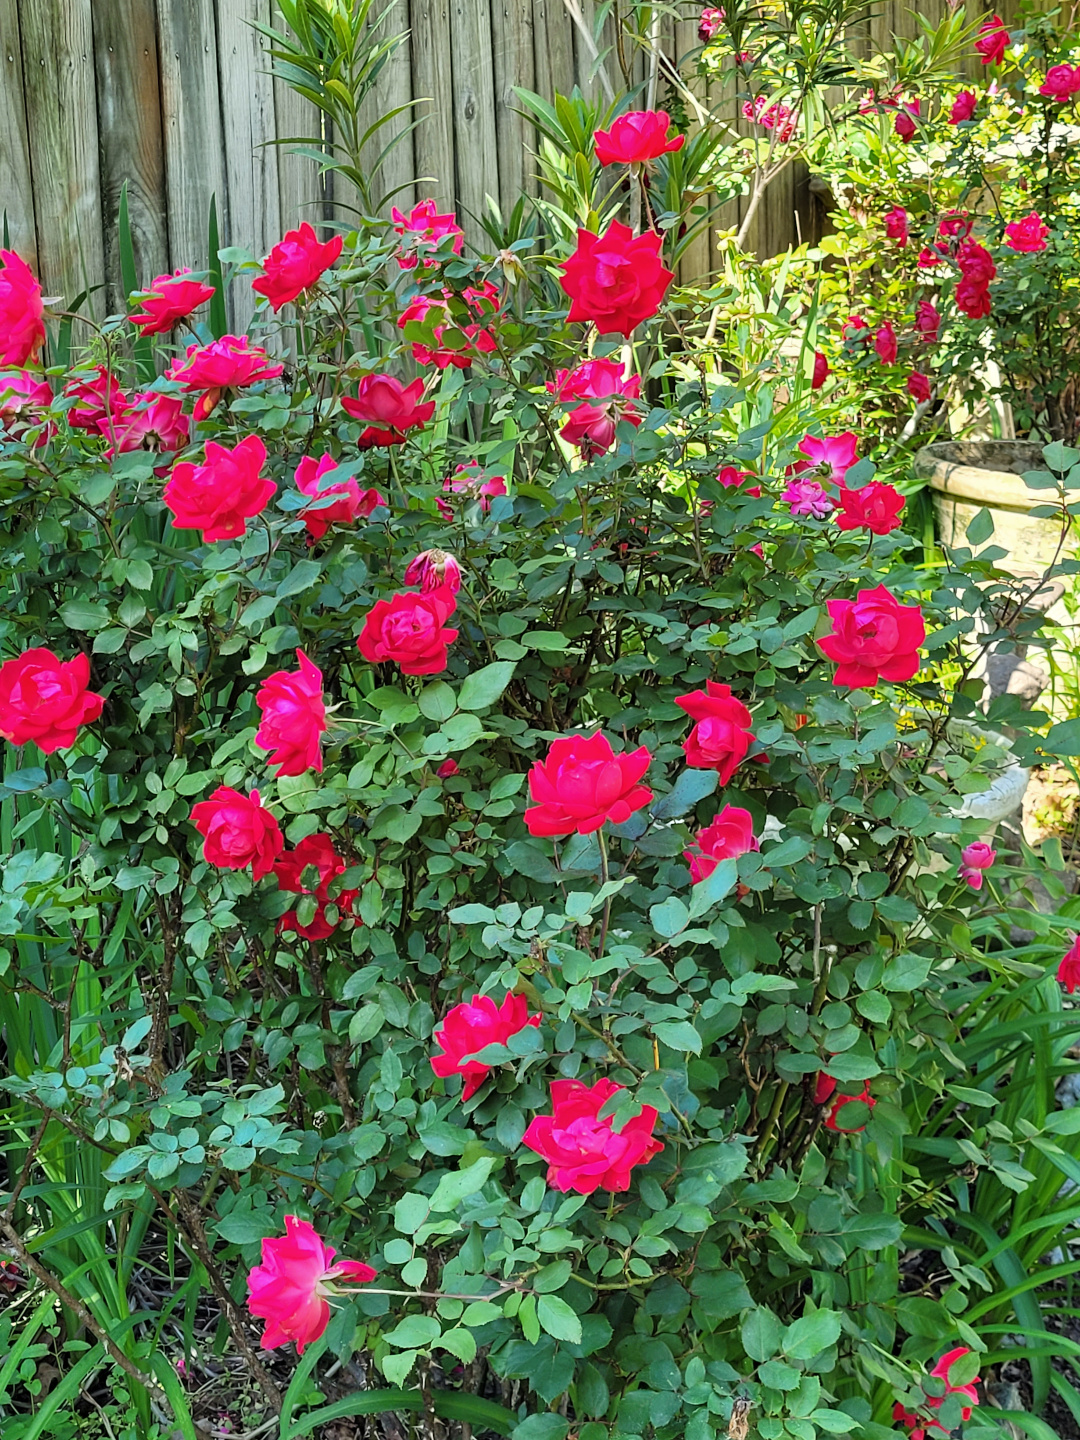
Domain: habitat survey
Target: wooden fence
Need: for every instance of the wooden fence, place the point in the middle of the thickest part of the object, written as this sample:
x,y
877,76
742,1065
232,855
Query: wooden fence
x,y
174,98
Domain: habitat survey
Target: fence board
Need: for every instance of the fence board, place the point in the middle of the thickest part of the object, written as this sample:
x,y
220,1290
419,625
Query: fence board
x,y
514,64
433,83
474,112
301,191
129,125
61,120
16,187
191,123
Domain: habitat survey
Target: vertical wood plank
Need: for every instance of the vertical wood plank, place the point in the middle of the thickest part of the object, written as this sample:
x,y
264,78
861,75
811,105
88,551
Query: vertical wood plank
x,y
191,125
433,83
474,113
512,39
129,124
16,187
252,217
699,257
61,119
398,175
553,49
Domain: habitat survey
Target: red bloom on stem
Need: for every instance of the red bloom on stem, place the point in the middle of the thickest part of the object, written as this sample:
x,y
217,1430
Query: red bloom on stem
x,y
873,637
24,396
432,570
409,630
238,831
968,1390
608,398
148,421
289,1289
821,370
422,231
220,496
468,1028
581,784
636,137
728,836
473,339
295,264
388,408
808,498
22,313
918,387
963,107
721,735
904,124
974,859
447,770
469,481
973,298
832,456
927,322
1062,82
352,502
170,298
616,280
96,398
230,363
855,330
1068,973
993,40
823,1092
583,1152
293,718
875,507
885,344
956,224
896,225
710,23
928,258
314,852
1028,236
46,699
732,478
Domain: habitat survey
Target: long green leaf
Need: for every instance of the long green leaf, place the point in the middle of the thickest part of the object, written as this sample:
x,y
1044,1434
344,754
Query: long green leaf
x,y
450,1404
219,320
64,1392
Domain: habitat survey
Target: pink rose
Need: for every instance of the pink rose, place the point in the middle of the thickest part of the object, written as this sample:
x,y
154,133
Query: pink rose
x,y
96,398
904,124
885,344
721,735
821,370
710,24
927,322
616,280
928,258
433,569
918,387
314,853
470,482
293,718
635,138
830,456
581,784
729,835
975,261
896,225
22,322
993,40
1068,973
469,341
608,398
876,507
409,631
388,408
230,363
447,770
807,498
422,232
148,421
238,831
468,1028
1061,83
289,1289
974,859
873,637
295,264
45,699
170,298
583,1152
220,496
351,501
24,397
963,107
1028,236
973,298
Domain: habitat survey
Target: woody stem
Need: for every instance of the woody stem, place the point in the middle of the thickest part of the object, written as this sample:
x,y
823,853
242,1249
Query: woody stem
x,y
603,881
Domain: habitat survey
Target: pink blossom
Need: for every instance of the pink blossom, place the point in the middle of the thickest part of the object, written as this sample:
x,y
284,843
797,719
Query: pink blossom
x,y
993,40
289,1289
1061,83
293,718
963,107
974,859
422,231
351,502
583,1152
1068,972
433,569
96,398
469,481
927,322
608,398
807,497
831,456
928,258
226,364
918,387
148,421
732,478
821,370
1028,236
710,24
23,397
471,1027
885,344
447,769
896,225
904,124
729,835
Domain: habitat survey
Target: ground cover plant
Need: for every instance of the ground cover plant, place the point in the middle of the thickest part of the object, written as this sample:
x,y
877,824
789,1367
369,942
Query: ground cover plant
x,y
490,925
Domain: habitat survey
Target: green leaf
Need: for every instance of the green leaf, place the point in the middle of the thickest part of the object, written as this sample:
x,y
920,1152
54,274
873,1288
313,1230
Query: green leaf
x,y
460,1343
483,687
678,1035
414,1332
811,1334
690,787
84,615
1063,738
452,1189
761,1333
871,1232
980,528
669,917
301,577
437,701
558,1319
552,1277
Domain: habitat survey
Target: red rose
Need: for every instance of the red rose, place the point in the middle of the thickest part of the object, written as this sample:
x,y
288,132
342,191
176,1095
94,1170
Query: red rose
x,y
431,570
885,344
238,831
148,421
873,637
904,124
293,718
581,784
927,322
24,397
896,226
289,1289
728,836
876,507
423,231
963,107
993,40
722,736
169,299
1061,83
96,398
821,370
22,324
975,261
45,699
636,137
732,478
468,1028
928,259
388,408
408,629
1027,236
823,1092
219,496
608,399
294,264
830,456
354,502
227,364
447,770
973,298
614,280
918,387
583,1152
1068,972
471,340
313,852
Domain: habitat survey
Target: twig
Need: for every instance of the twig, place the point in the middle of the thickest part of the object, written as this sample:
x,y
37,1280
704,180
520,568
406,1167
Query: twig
x,y
573,9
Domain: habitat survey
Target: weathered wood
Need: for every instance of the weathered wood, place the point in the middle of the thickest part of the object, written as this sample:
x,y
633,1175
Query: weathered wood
x,y
129,124
433,88
252,215
191,123
474,113
16,188
301,191
553,48
397,172
512,40
61,121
